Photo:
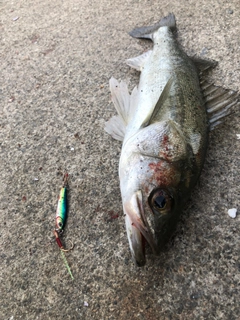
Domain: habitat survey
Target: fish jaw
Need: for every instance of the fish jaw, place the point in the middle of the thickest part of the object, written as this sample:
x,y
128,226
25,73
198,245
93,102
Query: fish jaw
x,y
136,242
137,228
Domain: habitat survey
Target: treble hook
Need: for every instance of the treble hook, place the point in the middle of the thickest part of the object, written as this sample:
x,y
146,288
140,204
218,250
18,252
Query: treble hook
x,y
60,243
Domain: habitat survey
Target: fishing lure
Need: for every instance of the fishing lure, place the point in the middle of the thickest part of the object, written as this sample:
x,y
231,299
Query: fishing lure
x,y
61,217
61,214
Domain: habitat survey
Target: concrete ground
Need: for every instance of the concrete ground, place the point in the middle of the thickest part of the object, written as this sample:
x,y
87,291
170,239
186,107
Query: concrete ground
x,y
56,60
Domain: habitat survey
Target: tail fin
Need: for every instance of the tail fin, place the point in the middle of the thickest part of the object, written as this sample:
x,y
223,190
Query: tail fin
x,y
146,32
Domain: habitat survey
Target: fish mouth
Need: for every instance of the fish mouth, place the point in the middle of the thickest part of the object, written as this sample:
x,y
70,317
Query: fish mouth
x,y
138,230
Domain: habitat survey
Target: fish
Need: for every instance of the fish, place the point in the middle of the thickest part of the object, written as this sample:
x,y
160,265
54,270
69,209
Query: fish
x,y
164,127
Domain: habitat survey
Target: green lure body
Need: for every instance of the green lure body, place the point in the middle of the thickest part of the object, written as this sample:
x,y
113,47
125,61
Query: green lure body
x,y
61,214
61,217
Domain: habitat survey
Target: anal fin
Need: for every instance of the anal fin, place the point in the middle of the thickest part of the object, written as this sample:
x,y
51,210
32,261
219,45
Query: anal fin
x,y
139,61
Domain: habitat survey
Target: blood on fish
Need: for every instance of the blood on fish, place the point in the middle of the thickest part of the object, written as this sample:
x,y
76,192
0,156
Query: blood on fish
x,y
156,166
163,175
165,142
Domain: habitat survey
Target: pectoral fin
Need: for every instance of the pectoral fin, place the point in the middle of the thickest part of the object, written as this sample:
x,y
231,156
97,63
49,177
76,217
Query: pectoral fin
x,y
163,97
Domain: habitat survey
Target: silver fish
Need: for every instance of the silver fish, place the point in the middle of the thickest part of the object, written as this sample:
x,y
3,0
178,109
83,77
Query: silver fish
x,y
164,126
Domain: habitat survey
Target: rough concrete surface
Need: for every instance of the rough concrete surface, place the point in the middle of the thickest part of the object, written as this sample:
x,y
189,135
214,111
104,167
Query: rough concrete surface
x,y
56,60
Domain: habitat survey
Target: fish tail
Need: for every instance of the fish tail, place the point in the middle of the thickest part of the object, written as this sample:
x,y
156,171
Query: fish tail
x,y
147,32
168,21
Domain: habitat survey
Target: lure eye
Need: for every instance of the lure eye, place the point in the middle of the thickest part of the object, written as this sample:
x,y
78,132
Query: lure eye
x,y
60,224
160,201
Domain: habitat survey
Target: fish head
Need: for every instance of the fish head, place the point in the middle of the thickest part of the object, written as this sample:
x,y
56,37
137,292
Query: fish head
x,y
154,180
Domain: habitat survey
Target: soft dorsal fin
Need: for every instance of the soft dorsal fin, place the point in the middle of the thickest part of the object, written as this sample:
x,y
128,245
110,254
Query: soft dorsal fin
x,y
203,64
125,105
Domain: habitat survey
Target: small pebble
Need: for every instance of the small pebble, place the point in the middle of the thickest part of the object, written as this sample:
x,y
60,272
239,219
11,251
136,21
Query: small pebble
x,y
232,213
72,149
204,51
15,19
85,304
11,99
230,11
238,136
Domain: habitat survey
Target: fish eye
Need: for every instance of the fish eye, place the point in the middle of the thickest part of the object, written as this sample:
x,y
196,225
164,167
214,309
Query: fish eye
x,y
160,201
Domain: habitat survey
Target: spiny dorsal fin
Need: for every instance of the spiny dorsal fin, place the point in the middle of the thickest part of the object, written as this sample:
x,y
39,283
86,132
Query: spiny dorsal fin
x,y
219,102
